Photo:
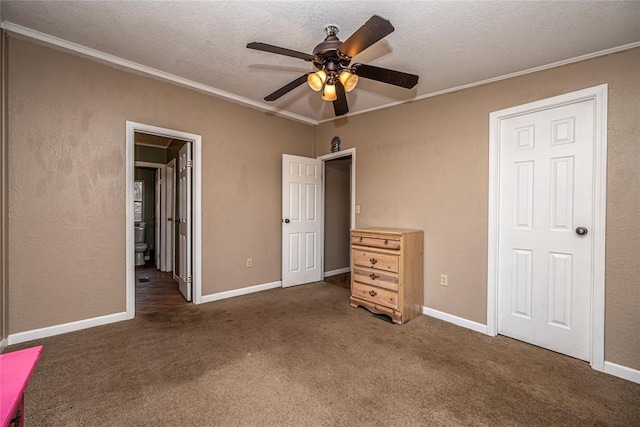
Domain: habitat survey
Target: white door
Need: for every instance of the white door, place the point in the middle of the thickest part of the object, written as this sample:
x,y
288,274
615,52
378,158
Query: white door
x,y
170,199
546,196
184,220
157,221
301,220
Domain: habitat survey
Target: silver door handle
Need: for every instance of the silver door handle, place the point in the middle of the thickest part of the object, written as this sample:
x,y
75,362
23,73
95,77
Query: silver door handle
x,y
582,231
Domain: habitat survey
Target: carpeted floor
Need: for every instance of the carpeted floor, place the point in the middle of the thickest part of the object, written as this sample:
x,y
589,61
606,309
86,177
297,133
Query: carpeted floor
x,y
302,356
343,280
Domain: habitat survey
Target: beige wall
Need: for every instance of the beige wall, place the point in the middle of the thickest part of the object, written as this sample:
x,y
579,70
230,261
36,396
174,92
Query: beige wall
x,y
425,165
67,183
337,218
4,312
422,165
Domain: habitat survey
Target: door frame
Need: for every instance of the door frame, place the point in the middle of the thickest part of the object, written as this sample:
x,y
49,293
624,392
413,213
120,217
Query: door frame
x,y
196,140
349,152
162,208
170,192
599,95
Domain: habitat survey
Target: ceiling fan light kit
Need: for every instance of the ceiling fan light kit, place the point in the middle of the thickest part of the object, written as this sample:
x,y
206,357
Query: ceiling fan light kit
x,y
316,80
348,80
329,92
335,76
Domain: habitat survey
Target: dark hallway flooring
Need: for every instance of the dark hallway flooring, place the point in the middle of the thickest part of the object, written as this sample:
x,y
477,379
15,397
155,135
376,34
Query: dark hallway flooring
x,y
159,292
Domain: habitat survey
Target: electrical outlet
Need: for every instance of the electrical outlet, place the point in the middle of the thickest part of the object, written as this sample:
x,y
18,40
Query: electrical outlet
x,y
444,280
249,262
357,209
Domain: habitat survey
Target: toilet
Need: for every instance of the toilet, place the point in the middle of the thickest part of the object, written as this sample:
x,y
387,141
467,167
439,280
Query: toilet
x,y
141,246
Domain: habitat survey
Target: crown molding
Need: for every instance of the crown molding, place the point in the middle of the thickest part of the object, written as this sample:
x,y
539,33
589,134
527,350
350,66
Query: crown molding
x,y
124,64
120,63
496,79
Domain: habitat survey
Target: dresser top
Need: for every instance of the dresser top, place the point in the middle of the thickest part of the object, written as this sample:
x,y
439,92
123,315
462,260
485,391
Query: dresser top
x,y
385,230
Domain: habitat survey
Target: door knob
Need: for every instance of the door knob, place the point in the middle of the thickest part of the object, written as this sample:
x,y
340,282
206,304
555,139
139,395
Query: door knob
x,y
286,221
582,231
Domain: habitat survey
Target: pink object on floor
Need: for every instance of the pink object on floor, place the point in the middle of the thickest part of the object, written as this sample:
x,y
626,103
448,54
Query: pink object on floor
x,y
15,372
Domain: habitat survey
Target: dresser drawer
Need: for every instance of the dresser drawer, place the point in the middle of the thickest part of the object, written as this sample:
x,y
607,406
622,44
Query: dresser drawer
x,y
376,241
377,261
375,295
376,278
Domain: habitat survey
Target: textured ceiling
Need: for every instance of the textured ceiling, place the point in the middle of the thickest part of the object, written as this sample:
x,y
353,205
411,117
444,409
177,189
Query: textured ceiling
x,y
448,44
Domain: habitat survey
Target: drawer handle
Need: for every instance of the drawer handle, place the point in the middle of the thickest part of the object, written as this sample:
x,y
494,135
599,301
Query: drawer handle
x,y
373,261
373,276
373,293
361,240
386,242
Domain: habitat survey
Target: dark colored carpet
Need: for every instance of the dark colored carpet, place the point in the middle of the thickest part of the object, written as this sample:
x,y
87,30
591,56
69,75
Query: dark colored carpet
x,y
302,356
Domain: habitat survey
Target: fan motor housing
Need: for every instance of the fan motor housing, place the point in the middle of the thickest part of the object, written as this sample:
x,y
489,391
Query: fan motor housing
x,y
327,52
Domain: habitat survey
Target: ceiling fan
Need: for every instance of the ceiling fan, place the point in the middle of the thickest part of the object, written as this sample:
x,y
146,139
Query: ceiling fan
x,y
332,57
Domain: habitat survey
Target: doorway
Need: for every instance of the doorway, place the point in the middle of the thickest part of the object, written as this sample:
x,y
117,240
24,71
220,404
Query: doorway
x,y
156,284
303,212
337,221
164,258
546,224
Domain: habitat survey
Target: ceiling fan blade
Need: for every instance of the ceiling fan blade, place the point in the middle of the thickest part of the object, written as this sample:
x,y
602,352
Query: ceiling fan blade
x,y
287,88
279,50
384,75
340,106
375,29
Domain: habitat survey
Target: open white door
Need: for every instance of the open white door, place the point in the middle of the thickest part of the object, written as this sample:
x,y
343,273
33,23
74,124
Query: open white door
x,y
184,220
170,199
158,223
302,219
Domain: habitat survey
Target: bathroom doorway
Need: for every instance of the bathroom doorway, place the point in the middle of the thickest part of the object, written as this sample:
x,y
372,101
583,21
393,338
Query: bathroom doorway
x,y
163,260
156,287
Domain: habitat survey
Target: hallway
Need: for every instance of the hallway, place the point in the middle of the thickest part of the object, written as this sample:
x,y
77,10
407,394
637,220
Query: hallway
x,y
156,290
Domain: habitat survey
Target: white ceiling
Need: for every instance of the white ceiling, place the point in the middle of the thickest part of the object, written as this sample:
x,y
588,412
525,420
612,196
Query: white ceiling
x,y
448,44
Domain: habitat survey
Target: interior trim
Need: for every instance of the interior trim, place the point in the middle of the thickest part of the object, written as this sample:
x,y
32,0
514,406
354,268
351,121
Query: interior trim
x,y
144,144
43,38
3,344
623,372
242,291
336,272
164,256
349,152
131,129
50,331
459,321
495,79
124,64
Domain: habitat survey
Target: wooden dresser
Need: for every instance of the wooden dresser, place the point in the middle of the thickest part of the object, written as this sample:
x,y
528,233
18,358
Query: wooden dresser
x,y
386,272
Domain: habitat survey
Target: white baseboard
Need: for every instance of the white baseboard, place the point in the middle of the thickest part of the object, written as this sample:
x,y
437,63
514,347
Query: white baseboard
x,y
336,272
3,344
610,368
622,372
465,323
50,331
241,291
